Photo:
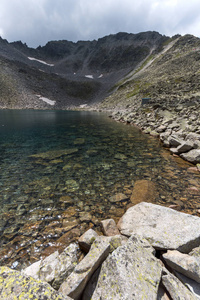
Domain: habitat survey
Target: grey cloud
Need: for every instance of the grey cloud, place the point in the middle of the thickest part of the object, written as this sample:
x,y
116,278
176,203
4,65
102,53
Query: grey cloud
x,y
38,21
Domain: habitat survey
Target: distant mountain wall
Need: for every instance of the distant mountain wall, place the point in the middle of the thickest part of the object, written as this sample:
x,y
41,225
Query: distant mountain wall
x,y
70,73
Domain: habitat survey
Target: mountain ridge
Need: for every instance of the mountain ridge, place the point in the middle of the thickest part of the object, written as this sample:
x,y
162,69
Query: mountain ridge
x,y
86,72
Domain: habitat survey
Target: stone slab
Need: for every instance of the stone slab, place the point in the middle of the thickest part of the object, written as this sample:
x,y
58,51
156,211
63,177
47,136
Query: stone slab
x,y
154,223
184,264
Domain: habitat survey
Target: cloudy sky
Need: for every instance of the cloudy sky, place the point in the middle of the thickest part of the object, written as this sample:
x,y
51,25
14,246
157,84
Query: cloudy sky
x,y
36,22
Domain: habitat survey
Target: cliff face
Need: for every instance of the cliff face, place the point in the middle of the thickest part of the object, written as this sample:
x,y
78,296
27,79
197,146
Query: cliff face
x,y
70,73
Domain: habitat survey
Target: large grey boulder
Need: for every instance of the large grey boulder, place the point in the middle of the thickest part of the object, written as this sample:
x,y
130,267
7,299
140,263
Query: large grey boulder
x,y
130,272
192,156
77,280
184,264
154,223
55,268
14,285
176,289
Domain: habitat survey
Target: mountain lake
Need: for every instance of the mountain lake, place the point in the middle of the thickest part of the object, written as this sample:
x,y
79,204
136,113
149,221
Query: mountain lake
x,y
59,171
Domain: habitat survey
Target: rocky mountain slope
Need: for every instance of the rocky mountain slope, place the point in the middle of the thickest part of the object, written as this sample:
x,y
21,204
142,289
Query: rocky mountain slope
x,y
168,77
71,74
169,84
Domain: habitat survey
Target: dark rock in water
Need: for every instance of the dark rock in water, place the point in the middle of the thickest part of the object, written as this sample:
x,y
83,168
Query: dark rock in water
x,y
118,197
143,191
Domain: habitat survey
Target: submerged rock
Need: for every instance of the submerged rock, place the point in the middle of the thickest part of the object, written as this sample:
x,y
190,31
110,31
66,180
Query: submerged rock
x,y
118,197
51,155
143,191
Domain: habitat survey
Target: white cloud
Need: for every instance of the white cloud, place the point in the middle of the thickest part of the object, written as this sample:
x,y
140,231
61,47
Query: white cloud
x,y
38,21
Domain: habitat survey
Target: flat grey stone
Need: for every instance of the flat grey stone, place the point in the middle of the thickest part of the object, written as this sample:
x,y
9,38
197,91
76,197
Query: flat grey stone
x,y
185,146
109,227
195,252
154,223
55,268
184,264
174,141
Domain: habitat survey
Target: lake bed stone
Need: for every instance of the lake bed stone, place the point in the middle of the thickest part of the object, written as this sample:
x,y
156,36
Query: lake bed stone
x,y
143,191
118,197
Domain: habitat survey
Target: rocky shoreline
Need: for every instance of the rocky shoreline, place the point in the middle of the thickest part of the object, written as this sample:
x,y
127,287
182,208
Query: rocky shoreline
x,y
178,127
142,257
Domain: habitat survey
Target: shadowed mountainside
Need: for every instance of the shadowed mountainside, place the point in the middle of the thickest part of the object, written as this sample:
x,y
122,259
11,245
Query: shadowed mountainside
x,y
169,78
72,74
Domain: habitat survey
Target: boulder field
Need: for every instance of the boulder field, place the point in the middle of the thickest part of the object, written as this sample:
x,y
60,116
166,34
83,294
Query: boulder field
x,y
152,253
178,127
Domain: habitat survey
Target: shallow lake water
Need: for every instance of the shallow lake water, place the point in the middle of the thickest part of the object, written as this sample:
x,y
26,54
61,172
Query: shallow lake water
x,y
59,171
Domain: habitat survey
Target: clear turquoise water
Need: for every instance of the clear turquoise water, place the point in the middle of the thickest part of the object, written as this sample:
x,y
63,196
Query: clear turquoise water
x,y
81,160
